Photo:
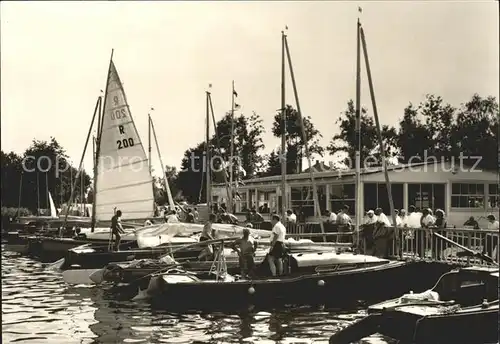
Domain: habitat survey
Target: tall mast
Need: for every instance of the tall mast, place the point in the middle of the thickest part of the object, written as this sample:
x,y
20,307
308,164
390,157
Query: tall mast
x,y
149,143
317,211
377,122
358,206
284,198
20,193
230,199
73,185
37,193
47,190
207,154
165,178
98,146
228,189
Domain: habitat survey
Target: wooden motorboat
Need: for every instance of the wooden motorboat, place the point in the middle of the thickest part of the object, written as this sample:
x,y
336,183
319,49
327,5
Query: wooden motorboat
x,y
310,278
461,308
85,260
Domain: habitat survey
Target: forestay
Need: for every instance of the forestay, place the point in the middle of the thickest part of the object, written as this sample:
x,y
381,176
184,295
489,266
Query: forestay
x,y
123,178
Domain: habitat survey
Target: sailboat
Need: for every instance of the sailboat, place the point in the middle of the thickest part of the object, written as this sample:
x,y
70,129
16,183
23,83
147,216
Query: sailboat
x,y
122,179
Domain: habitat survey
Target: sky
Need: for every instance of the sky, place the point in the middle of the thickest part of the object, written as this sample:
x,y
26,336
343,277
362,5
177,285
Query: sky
x,y
55,56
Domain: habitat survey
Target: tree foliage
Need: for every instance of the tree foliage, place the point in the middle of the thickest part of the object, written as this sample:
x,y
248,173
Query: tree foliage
x,y
344,143
431,129
295,143
248,144
43,167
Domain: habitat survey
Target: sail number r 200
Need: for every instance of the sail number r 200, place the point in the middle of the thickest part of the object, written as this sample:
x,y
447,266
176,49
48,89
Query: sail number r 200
x,y
125,143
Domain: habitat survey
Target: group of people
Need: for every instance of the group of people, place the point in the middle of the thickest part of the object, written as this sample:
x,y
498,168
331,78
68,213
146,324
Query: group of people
x,y
246,246
428,220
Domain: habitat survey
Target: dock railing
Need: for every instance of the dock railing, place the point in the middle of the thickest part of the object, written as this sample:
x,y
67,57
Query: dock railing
x,y
402,243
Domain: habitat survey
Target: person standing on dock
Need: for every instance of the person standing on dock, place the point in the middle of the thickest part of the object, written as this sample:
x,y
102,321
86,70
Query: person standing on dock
x,y
275,256
208,233
344,223
117,229
291,218
245,247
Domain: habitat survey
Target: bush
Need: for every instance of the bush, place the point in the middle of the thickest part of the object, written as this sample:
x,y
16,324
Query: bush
x,y
10,212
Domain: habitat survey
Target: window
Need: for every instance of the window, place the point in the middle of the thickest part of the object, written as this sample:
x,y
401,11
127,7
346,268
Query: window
x,y
426,196
493,198
375,196
342,194
467,195
303,200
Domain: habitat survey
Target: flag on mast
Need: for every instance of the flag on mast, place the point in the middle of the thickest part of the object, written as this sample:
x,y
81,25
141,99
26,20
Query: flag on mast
x,y
237,106
235,93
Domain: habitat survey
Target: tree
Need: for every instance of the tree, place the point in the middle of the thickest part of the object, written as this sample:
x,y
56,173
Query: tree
x,y
247,147
436,129
191,178
345,142
44,167
159,188
11,178
294,140
475,132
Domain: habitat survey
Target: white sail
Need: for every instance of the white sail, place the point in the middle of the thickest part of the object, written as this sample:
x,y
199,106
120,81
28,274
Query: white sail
x,y
53,211
123,178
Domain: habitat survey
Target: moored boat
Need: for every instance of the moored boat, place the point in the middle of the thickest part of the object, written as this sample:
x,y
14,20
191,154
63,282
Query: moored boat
x,y
461,308
310,278
82,261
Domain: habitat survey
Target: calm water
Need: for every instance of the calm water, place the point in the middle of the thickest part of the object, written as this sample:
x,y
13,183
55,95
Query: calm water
x,y
37,307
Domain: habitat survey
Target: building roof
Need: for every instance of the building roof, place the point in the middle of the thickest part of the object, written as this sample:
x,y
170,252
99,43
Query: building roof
x,y
342,174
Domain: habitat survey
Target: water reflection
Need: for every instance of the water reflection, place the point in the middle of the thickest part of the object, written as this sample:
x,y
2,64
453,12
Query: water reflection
x,y
37,307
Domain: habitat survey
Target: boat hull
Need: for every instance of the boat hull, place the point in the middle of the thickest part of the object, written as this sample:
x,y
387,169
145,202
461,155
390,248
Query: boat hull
x,y
467,327
333,289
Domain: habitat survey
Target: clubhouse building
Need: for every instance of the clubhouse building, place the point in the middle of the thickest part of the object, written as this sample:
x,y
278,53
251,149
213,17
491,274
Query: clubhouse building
x,y
461,191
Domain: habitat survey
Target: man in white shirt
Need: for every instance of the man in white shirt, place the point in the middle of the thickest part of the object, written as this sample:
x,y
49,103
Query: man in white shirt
x,y
277,251
332,217
343,218
427,218
291,217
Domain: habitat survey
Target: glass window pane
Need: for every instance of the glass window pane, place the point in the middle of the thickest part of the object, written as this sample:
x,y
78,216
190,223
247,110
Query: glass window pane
x,y
370,196
336,191
383,199
413,189
455,201
352,209
348,191
493,202
493,189
472,189
439,196
479,189
397,195
426,196
463,202
455,189
476,201
464,189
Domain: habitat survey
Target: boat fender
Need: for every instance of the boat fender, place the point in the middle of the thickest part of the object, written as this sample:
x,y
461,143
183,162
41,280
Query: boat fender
x,y
485,303
251,290
321,283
